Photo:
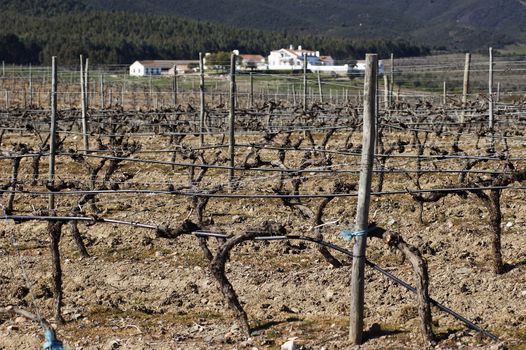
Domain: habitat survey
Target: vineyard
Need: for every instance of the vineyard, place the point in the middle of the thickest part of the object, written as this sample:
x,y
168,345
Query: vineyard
x,y
219,211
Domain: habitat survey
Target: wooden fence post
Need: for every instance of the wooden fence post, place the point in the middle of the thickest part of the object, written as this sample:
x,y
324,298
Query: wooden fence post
x,y
232,120
444,93
202,100
364,193
465,89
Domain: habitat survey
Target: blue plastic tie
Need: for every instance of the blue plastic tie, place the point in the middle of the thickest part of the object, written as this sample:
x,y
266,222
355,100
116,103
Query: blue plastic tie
x,y
348,234
51,342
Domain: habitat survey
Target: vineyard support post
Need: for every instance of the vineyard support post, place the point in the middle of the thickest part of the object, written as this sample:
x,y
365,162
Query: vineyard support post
x,y
444,97
174,87
386,92
201,100
304,81
102,91
83,102
465,85
490,88
497,98
52,130
232,117
30,86
319,87
86,83
364,193
251,90
391,86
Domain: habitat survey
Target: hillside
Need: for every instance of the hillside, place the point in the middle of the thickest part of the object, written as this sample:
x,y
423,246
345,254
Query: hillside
x,y
465,24
33,31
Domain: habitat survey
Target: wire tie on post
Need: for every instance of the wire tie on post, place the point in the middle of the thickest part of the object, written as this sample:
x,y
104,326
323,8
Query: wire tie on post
x,y
349,235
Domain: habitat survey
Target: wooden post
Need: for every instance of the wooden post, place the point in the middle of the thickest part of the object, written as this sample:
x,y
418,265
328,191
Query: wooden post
x,y
293,95
30,86
83,105
53,131
102,91
444,97
86,83
319,87
202,100
490,87
362,213
251,90
465,89
386,92
391,87
232,117
174,87
304,81
497,99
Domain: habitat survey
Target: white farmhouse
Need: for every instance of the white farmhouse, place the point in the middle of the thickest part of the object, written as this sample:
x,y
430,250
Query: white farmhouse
x,y
290,59
161,67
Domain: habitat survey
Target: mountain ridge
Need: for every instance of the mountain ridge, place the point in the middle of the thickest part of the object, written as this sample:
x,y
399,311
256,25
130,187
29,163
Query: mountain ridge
x,y
455,24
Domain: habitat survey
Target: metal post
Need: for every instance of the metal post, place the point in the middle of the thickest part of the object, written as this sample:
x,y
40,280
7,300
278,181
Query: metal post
x,y
362,217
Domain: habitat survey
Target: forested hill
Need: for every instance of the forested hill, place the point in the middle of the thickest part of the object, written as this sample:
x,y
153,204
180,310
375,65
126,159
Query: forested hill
x,y
34,30
455,24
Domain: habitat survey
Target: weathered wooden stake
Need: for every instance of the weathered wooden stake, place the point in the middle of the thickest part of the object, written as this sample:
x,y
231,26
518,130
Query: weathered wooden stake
x,y
319,87
304,81
444,97
251,90
86,83
174,87
232,120
364,192
53,132
84,106
202,100
490,88
30,86
391,81
102,91
497,99
465,89
386,92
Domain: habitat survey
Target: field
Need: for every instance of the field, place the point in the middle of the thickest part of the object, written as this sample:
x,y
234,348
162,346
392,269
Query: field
x,y
164,245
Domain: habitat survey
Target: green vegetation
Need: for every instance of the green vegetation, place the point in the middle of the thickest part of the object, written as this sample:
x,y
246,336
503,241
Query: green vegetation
x,y
459,24
37,30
